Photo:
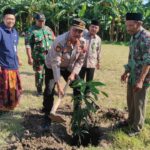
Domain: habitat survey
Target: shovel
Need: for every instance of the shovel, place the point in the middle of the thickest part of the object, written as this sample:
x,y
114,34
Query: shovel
x,y
55,117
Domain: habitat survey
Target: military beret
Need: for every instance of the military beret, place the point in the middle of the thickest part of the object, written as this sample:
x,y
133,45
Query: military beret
x,y
95,22
78,24
134,16
40,16
9,11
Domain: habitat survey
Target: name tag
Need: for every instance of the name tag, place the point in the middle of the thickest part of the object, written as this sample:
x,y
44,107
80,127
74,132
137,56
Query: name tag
x,y
15,48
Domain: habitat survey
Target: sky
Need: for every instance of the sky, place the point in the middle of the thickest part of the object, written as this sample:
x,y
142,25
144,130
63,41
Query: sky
x,y
145,1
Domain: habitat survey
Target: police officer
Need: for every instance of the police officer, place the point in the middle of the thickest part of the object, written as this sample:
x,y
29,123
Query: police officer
x,y
65,58
137,71
92,59
38,40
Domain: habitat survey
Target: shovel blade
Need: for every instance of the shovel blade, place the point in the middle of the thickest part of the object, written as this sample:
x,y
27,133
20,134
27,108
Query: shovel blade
x,y
57,118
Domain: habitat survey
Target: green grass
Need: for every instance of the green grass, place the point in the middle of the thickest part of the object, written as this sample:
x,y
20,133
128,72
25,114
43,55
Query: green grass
x,y
113,59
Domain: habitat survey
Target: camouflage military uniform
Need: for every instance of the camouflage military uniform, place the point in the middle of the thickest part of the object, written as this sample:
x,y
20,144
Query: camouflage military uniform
x,y
61,60
138,57
39,40
92,58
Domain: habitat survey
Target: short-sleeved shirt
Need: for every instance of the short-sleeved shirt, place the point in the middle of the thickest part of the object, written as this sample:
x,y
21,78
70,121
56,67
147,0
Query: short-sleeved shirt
x,y
39,40
65,55
139,55
8,48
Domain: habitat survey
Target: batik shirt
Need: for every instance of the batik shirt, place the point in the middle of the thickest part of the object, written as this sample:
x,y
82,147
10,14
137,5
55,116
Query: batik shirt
x,y
139,56
93,53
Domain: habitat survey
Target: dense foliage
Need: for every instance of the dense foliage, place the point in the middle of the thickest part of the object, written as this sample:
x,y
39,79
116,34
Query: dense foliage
x,y
59,13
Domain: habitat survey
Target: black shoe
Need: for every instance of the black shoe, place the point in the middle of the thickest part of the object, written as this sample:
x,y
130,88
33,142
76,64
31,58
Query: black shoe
x,y
42,110
46,126
122,124
133,132
47,123
39,91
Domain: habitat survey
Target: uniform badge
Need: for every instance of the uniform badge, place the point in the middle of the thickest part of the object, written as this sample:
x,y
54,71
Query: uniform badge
x,y
62,59
58,48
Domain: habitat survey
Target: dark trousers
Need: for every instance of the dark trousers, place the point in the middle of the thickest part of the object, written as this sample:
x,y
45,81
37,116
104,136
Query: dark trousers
x,y
87,73
48,98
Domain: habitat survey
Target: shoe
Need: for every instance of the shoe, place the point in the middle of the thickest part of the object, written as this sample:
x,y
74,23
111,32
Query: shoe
x,y
133,132
42,110
39,91
46,124
122,124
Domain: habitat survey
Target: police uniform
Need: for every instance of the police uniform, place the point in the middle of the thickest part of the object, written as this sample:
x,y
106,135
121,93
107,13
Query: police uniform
x,y
62,59
139,56
93,55
39,40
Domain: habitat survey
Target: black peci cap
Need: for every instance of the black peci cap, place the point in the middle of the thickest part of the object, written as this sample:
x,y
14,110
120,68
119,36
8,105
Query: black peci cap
x,y
9,11
134,16
95,22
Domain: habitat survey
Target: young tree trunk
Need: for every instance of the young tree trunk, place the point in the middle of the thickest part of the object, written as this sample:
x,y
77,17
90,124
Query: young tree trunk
x,y
111,30
117,33
56,28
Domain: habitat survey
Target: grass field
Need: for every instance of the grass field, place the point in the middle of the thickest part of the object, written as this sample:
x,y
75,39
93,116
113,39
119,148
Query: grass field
x,y
113,59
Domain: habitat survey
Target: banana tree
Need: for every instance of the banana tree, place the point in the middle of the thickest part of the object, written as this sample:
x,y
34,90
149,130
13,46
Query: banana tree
x,y
147,15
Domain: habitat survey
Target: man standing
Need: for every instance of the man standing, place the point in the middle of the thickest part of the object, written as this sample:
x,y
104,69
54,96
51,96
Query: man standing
x,y
38,40
137,71
92,59
65,58
10,85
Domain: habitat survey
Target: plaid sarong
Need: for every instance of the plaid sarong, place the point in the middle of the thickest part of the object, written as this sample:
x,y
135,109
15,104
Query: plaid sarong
x,y
10,89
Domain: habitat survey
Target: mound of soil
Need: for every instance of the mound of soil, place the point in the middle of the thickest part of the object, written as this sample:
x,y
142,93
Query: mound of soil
x,y
59,135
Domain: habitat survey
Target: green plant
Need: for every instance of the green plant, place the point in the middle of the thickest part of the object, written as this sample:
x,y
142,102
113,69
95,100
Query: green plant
x,y
84,106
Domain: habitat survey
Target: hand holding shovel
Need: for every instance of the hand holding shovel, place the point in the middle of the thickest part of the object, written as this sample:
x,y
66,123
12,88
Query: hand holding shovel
x,y
55,117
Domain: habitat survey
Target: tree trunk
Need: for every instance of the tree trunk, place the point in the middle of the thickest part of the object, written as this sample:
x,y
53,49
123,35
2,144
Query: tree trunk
x,y
111,30
117,33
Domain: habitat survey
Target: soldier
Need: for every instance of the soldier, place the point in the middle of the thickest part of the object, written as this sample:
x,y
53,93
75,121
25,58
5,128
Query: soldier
x,y
37,41
10,85
92,59
137,71
65,58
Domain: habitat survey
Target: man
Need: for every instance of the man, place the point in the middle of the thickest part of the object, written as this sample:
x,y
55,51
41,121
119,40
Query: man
x,y
10,85
38,40
137,71
92,59
65,58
